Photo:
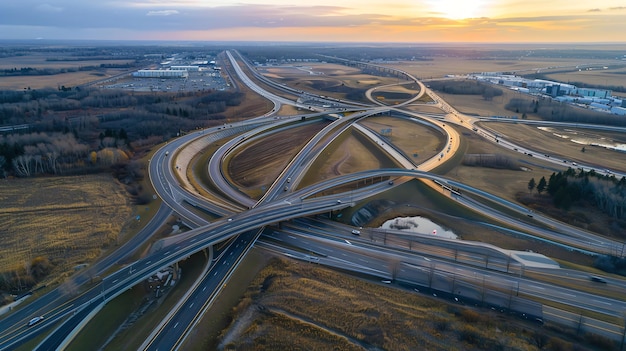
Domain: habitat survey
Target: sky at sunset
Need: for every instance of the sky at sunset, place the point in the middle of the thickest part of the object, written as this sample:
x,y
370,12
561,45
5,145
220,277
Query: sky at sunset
x,y
418,21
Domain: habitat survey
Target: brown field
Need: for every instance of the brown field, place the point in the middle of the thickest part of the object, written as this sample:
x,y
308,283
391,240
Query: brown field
x,y
476,105
412,138
295,305
545,142
501,182
287,110
260,163
396,93
325,78
39,61
441,66
423,108
69,220
53,81
349,153
312,69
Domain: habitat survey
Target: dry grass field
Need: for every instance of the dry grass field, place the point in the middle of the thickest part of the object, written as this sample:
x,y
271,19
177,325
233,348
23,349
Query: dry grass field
x,y
546,142
476,105
301,306
415,140
68,220
53,81
39,60
325,78
501,182
258,165
396,94
441,66
349,153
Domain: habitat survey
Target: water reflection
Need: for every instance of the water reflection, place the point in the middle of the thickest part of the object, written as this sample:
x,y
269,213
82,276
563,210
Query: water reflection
x,y
418,224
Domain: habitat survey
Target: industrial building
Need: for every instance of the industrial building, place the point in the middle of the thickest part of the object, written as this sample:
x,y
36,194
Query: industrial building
x,y
185,68
160,73
595,99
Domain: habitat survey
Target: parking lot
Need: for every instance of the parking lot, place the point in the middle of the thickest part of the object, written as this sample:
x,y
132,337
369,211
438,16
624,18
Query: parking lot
x,y
206,79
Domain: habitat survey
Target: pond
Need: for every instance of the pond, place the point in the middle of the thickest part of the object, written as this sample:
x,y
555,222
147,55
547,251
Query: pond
x,y
418,224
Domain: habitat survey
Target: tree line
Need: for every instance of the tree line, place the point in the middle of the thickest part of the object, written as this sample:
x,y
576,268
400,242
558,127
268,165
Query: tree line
x,y
490,161
26,276
608,194
86,130
49,71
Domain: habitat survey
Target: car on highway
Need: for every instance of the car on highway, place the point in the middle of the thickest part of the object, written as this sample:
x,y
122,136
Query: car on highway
x,y
386,281
597,279
35,320
356,232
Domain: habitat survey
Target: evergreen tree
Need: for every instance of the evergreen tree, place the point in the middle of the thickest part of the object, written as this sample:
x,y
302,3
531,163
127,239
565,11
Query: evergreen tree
x,y
552,184
563,198
531,185
541,186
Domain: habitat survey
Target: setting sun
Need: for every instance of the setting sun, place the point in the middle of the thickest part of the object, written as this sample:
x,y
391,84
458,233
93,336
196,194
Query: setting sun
x,y
457,9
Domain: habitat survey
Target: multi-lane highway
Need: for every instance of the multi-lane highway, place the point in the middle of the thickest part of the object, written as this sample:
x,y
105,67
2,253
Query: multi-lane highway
x,y
280,205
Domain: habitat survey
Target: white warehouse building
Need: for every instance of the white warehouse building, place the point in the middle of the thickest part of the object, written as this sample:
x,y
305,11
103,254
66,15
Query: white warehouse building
x,y
160,73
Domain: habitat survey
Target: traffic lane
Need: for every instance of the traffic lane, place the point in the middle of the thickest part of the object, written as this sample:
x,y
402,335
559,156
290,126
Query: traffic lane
x,y
55,340
446,273
214,280
338,249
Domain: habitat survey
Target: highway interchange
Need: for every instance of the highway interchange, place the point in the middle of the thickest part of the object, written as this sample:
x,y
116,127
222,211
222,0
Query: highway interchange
x,y
459,276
